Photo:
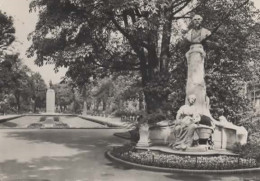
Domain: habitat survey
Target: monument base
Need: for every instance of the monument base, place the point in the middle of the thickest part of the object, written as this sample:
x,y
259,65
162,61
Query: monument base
x,y
223,137
199,148
143,144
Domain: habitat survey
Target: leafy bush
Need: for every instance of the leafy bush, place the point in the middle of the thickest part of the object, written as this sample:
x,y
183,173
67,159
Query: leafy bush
x,y
42,118
128,153
249,150
35,125
61,125
56,118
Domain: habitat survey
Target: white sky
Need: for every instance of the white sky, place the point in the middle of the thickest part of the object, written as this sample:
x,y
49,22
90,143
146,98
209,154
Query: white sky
x,y
24,23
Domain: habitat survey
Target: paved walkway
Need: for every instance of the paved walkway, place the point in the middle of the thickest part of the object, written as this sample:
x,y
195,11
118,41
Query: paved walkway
x,y
78,155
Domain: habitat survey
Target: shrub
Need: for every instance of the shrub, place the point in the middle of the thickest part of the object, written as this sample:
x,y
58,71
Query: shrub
x,y
42,118
249,150
56,118
35,125
61,125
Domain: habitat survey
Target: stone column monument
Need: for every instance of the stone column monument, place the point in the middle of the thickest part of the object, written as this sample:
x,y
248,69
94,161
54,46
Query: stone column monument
x,y
50,100
195,59
84,112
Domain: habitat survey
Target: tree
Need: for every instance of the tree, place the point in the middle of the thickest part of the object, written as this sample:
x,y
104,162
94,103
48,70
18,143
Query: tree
x,y
100,37
6,31
63,95
20,79
38,88
20,83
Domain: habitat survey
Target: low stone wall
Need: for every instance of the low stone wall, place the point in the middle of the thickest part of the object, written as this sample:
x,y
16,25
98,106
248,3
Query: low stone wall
x,y
160,135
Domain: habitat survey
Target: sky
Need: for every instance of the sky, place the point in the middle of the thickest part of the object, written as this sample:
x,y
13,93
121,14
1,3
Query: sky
x,y
24,23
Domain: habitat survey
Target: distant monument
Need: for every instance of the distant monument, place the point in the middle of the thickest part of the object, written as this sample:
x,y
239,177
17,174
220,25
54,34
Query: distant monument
x,y
50,99
84,112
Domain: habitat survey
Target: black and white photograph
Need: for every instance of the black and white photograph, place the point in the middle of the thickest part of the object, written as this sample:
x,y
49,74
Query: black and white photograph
x,y
129,90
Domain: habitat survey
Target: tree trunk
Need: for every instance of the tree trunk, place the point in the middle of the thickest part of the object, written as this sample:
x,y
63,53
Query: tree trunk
x,y
104,105
141,99
17,97
165,44
35,105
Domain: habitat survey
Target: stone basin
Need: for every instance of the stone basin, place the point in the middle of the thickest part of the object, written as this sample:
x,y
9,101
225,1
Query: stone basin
x,y
204,132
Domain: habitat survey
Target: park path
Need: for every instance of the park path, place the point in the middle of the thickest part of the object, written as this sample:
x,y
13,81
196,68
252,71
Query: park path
x,y
77,155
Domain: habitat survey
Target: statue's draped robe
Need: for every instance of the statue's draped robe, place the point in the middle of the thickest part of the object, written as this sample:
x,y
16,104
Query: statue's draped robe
x,y
184,131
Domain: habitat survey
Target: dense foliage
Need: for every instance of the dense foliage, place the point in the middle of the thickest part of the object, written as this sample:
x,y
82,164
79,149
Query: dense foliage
x,y
63,96
96,38
251,149
6,32
21,90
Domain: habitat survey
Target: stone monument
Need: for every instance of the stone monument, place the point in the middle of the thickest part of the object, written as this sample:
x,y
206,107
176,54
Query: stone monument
x,y
84,112
225,133
50,100
206,132
195,60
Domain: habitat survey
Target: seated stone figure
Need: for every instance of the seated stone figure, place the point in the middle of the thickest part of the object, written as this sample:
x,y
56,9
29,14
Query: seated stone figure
x,y
185,125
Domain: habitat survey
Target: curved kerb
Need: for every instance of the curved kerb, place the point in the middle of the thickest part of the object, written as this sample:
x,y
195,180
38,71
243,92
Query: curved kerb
x,y
170,170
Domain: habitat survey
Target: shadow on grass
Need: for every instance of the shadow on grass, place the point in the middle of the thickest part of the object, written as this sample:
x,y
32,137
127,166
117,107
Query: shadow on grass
x,y
119,166
48,169
101,139
9,124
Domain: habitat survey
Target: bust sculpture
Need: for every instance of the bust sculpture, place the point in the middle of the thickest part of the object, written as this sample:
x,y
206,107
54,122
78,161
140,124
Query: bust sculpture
x,y
197,33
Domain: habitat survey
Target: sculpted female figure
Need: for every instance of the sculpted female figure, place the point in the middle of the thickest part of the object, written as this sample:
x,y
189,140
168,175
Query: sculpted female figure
x,y
185,125
195,59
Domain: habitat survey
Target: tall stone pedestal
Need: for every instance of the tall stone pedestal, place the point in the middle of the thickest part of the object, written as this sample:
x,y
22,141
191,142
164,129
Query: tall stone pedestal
x,y
84,112
144,140
50,101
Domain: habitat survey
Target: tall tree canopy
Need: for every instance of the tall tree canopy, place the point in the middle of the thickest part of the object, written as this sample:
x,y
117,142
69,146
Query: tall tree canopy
x,y
20,83
6,31
96,37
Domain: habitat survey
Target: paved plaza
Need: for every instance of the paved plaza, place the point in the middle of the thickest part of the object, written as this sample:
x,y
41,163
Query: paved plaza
x,y
77,155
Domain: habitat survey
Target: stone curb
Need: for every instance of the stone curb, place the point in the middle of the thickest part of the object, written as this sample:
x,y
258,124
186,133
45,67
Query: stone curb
x,y
110,125
101,122
49,114
172,170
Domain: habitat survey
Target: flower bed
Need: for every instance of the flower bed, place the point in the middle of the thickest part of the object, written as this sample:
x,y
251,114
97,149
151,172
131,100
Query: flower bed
x,y
40,125
35,125
61,125
183,162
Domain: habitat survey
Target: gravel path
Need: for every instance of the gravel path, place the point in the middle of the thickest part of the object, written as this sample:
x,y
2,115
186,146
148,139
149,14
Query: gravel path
x,y
78,155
